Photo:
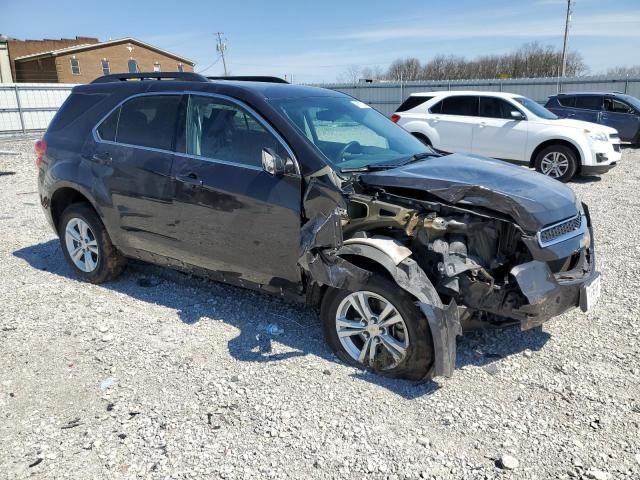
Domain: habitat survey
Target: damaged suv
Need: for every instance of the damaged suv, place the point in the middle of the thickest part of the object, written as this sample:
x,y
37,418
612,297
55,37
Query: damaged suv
x,y
310,194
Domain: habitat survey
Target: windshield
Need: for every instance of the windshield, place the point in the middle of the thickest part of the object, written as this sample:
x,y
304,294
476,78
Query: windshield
x,y
535,108
349,134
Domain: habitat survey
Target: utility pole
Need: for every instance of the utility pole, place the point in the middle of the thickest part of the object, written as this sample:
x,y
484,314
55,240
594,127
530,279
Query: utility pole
x,y
566,38
221,46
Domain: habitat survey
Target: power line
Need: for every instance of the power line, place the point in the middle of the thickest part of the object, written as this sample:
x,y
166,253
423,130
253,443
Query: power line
x,y
205,69
221,46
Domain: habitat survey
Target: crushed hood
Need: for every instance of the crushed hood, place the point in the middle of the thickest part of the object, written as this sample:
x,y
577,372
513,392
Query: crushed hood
x,y
531,199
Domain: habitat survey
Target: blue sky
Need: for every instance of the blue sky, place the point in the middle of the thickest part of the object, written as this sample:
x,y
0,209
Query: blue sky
x,y
317,41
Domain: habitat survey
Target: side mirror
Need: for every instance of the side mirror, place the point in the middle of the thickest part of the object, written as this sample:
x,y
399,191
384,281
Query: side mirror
x,y
272,163
517,115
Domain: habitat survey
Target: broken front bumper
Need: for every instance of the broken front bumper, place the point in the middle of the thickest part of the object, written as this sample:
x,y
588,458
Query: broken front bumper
x,y
551,294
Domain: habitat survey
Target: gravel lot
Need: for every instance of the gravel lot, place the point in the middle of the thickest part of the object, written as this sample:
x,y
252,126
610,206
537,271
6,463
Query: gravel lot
x,y
161,375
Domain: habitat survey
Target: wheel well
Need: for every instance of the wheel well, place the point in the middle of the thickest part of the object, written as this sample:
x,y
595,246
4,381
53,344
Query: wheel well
x,y
422,137
548,143
64,197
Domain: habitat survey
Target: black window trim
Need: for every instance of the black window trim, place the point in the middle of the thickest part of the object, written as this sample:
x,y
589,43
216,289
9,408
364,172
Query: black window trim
x,y
237,102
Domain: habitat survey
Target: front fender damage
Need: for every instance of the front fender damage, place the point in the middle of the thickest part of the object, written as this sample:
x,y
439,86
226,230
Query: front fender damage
x,y
321,256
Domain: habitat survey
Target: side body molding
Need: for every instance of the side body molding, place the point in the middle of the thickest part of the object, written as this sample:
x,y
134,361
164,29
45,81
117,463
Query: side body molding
x,y
443,320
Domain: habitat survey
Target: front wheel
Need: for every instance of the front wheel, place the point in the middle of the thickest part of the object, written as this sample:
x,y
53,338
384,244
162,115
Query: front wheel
x,y
378,328
557,161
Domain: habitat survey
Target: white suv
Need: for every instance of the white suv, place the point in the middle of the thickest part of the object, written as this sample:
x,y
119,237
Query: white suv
x,y
509,127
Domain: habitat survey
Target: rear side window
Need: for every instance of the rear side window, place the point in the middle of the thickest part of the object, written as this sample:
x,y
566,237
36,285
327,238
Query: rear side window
x,y
412,102
74,107
567,100
460,105
148,121
492,107
589,102
221,130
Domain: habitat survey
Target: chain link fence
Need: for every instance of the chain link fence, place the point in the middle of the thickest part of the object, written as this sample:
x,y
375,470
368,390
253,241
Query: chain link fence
x,y
26,107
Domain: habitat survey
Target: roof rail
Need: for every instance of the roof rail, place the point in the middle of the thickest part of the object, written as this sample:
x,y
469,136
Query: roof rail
x,y
249,78
123,77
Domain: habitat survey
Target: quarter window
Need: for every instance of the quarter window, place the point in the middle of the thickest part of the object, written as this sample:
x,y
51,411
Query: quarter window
x,y
132,66
589,102
147,121
412,102
221,130
492,107
106,69
460,105
75,66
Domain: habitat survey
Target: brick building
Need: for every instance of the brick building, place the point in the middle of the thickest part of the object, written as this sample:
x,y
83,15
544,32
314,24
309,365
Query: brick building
x,y
83,59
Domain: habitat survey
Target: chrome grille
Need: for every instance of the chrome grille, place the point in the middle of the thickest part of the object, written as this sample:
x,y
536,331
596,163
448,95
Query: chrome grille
x,y
564,228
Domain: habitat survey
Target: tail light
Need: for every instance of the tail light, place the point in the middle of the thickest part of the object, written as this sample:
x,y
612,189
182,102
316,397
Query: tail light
x,y
40,147
395,117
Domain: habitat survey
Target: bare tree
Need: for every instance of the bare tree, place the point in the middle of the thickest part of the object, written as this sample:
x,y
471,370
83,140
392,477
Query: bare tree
x,y
530,60
622,71
350,75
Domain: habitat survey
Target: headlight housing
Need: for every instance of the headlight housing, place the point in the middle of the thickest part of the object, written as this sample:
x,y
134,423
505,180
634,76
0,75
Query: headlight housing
x,y
597,136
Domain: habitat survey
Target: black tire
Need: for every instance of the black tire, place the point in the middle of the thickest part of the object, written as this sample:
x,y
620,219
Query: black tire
x,y
567,152
423,138
110,262
419,352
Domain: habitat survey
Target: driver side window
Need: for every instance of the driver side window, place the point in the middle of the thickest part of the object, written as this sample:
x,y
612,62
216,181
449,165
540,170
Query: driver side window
x,y
616,106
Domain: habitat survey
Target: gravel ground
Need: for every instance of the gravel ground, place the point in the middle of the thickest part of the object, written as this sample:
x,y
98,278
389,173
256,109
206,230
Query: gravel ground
x,y
161,375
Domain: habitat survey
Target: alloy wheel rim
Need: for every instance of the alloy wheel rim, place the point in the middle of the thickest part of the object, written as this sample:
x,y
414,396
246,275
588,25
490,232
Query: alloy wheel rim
x,y
82,245
371,330
555,164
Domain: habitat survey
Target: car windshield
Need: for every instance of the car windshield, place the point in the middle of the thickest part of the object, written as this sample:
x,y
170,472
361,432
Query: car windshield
x,y
348,133
535,108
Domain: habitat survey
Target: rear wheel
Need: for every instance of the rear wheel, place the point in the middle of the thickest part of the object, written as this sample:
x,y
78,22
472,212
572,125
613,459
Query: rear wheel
x,y
378,328
557,161
86,245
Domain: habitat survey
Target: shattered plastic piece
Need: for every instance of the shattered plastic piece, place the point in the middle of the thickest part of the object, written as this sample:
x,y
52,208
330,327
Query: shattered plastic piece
x,y
273,329
106,383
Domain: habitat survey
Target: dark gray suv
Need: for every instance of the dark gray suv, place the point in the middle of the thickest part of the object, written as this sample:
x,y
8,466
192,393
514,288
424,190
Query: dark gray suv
x,y
612,109
312,195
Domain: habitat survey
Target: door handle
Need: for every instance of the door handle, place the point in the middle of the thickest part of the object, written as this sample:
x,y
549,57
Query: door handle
x,y
435,119
190,179
482,125
102,158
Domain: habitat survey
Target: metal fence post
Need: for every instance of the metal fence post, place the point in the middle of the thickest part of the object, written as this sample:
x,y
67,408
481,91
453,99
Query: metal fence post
x,y
626,85
15,86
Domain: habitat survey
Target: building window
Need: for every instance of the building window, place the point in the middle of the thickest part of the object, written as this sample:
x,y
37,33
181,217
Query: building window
x,y
156,67
106,69
180,68
133,66
75,66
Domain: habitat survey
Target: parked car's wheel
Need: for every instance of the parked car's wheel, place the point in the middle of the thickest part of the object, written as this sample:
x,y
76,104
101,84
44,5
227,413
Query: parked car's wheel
x,y
423,138
86,245
557,161
378,328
